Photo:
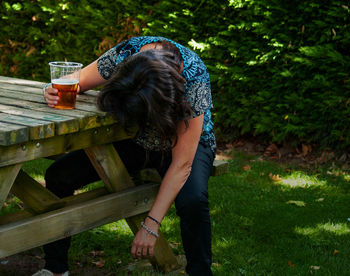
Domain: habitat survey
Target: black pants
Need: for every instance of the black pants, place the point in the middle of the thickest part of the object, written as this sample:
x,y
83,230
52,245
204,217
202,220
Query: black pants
x,y
74,170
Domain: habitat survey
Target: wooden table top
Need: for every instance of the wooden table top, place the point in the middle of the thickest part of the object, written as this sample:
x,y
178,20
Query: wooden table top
x,y
25,116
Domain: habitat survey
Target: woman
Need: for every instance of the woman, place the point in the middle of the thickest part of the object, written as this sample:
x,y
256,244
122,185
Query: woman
x,y
164,88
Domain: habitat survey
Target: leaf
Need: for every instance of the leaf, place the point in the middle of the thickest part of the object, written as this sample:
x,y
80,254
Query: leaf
x,y
291,264
95,253
271,149
297,203
335,252
246,167
174,244
275,177
306,149
314,268
100,263
30,51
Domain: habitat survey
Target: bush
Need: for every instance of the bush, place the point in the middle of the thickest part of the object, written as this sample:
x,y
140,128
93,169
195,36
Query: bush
x,y
279,69
36,32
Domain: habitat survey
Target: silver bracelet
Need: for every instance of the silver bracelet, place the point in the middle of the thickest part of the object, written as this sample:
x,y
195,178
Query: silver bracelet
x,y
149,230
45,87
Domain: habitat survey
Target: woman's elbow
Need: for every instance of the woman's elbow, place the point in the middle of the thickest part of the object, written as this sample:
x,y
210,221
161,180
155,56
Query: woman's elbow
x,y
186,168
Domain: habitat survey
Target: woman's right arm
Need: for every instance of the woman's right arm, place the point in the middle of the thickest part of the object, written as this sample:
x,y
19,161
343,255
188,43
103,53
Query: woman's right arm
x,y
89,78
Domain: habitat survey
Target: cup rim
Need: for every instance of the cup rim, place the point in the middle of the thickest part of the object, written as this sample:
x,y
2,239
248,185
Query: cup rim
x,y
66,64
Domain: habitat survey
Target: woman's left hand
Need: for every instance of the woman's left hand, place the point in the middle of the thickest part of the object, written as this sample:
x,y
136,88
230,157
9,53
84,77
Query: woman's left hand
x,y
144,242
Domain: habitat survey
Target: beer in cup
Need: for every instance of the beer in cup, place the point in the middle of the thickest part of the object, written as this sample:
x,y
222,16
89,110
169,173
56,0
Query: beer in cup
x,y
65,78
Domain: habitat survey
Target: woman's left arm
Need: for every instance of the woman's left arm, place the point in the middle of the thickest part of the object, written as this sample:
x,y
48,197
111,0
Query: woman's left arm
x,y
182,157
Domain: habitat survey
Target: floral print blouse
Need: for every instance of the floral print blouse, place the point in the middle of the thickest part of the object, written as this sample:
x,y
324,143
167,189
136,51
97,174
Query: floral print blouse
x,y
197,87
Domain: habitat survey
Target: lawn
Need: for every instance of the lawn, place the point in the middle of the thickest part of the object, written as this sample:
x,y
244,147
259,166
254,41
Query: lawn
x,y
267,219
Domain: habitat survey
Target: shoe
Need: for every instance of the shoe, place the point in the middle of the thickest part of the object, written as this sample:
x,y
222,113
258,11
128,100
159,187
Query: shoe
x,y
45,272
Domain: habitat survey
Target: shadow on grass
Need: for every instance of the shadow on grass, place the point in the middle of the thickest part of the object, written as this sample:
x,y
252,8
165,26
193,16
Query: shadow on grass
x,y
268,220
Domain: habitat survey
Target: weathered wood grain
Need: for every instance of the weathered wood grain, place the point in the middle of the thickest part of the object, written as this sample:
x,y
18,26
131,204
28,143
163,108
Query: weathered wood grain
x,y
63,124
60,144
86,120
34,195
13,134
38,129
8,175
31,83
110,167
41,229
219,167
67,201
37,98
87,96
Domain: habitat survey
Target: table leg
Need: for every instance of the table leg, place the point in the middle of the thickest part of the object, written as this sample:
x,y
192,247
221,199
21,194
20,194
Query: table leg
x,y
8,175
116,178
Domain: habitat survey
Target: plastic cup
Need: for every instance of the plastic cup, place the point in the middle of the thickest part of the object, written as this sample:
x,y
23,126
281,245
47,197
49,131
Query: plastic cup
x,y
65,78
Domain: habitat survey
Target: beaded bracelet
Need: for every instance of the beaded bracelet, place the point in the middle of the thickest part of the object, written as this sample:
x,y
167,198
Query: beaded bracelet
x,y
149,230
156,221
45,87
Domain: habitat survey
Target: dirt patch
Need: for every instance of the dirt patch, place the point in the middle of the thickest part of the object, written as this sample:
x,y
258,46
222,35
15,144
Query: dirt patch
x,y
22,264
29,262
303,155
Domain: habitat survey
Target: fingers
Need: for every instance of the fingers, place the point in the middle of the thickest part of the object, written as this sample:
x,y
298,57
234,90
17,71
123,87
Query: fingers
x,y
51,96
143,245
150,251
142,252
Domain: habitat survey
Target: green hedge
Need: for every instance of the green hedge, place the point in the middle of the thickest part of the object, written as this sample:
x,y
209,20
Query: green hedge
x,y
36,32
279,69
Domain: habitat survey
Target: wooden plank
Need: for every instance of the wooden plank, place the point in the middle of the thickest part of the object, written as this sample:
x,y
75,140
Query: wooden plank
x,y
114,174
12,134
31,83
7,177
34,195
85,119
36,98
16,216
87,96
38,129
219,167
67,201
63,124
30,150
110,167
11,94
21,88
9,82
54,225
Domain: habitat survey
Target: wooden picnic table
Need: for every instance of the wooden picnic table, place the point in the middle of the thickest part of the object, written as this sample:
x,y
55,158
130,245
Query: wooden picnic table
x,y
29,130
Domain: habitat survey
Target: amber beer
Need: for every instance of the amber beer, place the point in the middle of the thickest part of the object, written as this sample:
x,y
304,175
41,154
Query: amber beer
x,y
65,78
67,92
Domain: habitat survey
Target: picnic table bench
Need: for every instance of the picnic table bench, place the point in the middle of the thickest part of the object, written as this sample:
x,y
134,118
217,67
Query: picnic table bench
x,y
29,130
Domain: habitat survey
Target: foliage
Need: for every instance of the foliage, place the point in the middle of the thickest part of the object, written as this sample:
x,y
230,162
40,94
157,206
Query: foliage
x,y
279,69
36,32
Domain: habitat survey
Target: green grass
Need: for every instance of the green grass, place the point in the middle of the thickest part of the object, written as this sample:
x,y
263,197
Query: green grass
x,y
295,223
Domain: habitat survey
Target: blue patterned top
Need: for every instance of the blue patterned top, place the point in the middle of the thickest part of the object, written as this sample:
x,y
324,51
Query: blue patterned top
x,y
197,86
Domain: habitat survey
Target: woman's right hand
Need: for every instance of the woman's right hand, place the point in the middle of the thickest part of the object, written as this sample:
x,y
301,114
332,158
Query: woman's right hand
x,y
51,96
